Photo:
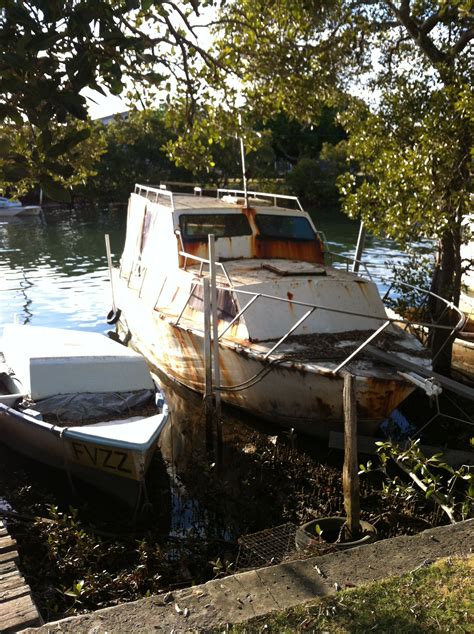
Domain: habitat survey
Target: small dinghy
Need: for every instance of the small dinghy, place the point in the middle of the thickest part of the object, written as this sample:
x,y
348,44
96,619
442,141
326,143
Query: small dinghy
x,y
10,208
81,402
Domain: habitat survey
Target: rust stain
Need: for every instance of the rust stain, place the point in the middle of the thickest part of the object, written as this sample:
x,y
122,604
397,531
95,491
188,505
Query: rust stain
x,y
380,397
325,410
195,247
266,248
309,251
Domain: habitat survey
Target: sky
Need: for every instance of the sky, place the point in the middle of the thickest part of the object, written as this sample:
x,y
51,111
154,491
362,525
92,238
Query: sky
x,y
103,106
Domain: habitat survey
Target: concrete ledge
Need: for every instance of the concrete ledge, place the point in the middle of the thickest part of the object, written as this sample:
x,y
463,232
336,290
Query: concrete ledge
x,y
242,596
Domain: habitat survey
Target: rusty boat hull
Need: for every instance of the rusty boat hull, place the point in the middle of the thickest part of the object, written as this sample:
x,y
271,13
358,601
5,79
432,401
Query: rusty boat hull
x,y
289,324
289,393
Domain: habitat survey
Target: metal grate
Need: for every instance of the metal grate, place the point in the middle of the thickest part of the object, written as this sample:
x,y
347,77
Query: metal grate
x,y
267,547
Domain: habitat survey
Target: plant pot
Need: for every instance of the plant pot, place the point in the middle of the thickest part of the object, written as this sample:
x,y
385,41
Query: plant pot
x,y
307,535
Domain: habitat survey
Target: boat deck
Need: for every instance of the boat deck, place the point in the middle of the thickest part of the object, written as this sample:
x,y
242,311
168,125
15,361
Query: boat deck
x,y
249,271
17,608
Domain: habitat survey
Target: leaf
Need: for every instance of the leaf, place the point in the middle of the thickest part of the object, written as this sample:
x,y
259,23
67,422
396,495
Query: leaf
x,y
64,169
73,103
54,190
115,86
45,138
44,42
70,141
85,75
16,171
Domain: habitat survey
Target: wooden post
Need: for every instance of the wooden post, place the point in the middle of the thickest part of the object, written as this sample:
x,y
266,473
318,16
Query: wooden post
x,y
208,389
215,349
350,477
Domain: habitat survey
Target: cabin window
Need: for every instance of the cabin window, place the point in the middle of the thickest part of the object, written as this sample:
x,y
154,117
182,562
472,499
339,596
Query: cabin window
x,y
199,226
284,227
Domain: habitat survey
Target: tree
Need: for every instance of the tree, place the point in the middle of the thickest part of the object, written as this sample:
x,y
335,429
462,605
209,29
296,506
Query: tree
x,y
67,163
51,50
134,154
412,135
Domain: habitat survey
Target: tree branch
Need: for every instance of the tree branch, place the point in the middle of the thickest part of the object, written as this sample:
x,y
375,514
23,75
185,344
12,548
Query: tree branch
x,y
421,38
463,41
430,23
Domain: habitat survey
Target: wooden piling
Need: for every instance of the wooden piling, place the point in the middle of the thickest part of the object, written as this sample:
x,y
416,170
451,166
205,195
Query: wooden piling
x,y
208,388
216,371
350,473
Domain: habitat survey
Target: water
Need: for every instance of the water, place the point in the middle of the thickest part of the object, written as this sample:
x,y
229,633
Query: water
x,y
54,272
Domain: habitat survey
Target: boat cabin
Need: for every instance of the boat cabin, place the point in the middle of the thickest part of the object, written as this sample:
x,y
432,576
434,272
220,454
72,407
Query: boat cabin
x,y
261,248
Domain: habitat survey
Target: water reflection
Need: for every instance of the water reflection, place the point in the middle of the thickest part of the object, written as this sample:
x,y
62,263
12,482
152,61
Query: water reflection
x,y
55,273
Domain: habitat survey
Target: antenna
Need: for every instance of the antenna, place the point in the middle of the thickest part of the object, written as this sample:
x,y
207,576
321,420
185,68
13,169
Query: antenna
x,y
242,153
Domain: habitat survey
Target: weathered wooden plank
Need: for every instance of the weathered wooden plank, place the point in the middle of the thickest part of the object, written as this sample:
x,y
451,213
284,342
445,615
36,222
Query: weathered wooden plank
x,y
13,580
7,543
11,555
350,478
366,445
7,567
399,363
17,608
17,614
9,594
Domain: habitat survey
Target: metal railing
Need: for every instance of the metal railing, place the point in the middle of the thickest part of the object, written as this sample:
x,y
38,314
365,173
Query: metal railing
x,y
273,197
349,262
385,320
153,194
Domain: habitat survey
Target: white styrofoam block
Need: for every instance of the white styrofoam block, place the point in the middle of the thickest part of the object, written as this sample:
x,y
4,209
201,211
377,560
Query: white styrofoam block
x,y
51,361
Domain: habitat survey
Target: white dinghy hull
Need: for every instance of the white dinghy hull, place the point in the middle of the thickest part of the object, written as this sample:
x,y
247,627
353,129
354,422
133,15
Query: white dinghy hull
x,y
112,455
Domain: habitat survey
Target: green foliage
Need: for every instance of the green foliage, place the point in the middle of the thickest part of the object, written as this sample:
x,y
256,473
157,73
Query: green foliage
x,y
452,489
134,153
304,179
30,156
51,52
416,271
90,570
409,157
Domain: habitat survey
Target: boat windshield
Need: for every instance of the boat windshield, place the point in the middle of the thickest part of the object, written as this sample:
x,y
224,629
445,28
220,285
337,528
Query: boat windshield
x,y
284,227
199,226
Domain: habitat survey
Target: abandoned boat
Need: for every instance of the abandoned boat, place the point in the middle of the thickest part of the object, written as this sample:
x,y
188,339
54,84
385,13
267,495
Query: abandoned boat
x,y
81,402
289,324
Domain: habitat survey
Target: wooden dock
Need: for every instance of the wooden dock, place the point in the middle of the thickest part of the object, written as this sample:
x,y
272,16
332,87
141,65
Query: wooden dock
x,y
17,608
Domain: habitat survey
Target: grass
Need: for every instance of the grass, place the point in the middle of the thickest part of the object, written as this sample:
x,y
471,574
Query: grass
x,y
436,598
